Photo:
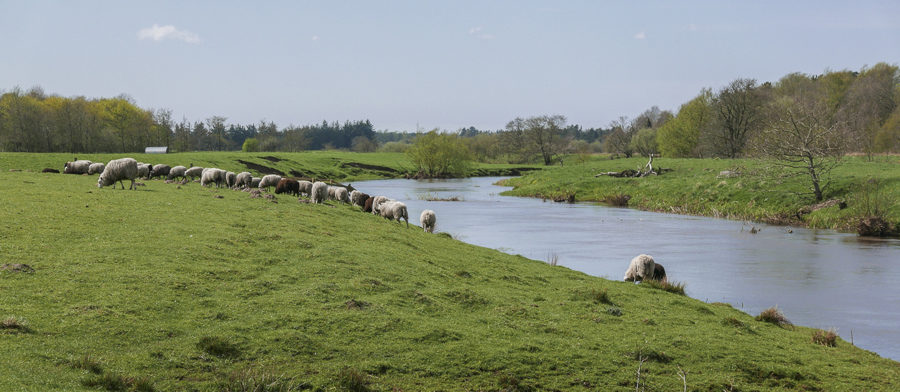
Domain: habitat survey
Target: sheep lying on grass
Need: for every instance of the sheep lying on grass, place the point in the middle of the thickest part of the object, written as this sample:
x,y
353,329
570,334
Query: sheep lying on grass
x,y
118,170
177,171
395,210
319,192
96,168
193,172
428,220
643,267
77,167
269,180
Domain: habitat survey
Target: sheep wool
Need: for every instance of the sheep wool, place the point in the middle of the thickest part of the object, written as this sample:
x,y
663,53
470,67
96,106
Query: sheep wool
x,y
194,172
213,176
160,171
96,168
341,195
319,192
361,201
77,167
243,179
289,186
395,210
376,204
230,179
143,170
175,172
641,268
254,182
306,188
118,170
269,180
428,220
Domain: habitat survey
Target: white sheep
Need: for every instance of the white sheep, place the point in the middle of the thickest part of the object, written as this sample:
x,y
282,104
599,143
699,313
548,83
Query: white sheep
x,y
254,182
319,192
428,220
230,179
160,171
306,188
331,190
193,172
177,171
96,168
377,202
341,195
212,175
269,180
143,170
243,179
77,167
395,210
118,170
641,268
354,196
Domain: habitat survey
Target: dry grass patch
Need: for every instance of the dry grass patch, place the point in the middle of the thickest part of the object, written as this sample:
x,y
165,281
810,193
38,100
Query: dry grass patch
x,y
827,338
774,316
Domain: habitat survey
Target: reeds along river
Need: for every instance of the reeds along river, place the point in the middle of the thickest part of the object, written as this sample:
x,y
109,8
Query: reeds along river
x,y
818,278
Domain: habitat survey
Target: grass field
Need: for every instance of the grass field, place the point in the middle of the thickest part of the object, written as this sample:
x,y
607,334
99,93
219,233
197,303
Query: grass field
x,y
694,187
171,288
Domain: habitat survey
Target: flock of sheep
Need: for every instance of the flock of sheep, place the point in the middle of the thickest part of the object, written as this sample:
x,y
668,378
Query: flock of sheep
x,y
119,170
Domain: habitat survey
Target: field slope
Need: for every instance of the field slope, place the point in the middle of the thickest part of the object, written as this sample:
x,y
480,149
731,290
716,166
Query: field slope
x,y
183,288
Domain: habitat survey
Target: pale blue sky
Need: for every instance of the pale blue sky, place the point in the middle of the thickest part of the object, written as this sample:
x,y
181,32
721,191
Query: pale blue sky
x,y
437,64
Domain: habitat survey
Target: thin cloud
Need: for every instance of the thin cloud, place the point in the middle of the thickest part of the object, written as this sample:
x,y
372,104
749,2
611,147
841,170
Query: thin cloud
x,y
476,31
640,35
159,33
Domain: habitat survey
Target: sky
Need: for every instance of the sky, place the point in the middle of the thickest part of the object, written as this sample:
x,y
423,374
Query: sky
x,y
408,65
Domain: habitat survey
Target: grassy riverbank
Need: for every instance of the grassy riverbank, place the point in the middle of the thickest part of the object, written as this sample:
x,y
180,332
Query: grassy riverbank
x,y
333,165
184,288
694,187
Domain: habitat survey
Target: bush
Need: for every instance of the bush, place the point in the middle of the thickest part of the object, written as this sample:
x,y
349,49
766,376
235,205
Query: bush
x,y
774,316
438,154
826,338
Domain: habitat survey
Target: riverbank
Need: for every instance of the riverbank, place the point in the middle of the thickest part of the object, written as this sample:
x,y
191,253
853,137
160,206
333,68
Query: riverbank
x,y
695,187
340,166
189,288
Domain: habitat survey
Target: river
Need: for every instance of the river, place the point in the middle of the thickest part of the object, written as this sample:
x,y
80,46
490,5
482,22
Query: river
x,y
818,278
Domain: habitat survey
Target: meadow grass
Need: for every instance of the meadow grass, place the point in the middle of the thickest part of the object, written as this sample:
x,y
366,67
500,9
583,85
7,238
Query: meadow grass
x,y
694,187
170,288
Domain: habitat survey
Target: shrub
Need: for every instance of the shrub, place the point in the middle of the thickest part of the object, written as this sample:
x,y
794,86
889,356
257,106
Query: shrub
x,y
774,316
827,338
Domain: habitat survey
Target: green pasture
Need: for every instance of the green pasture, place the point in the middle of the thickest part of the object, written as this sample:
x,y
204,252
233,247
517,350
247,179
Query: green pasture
x,y
693,186
184,288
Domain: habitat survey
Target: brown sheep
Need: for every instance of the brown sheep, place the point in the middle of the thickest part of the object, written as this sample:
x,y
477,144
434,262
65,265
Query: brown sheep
x,y
367,206
286,185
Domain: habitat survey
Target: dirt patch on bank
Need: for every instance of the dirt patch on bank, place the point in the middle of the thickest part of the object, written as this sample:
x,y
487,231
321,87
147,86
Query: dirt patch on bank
x,y
260,168
369,167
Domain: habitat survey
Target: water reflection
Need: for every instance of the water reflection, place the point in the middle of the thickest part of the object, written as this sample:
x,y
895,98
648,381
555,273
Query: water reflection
x,y
819,278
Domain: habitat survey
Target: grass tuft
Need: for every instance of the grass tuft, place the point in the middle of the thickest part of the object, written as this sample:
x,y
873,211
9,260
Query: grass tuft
x,y
827,338
87,362
218,346
353,380
601,296
14,325
774,316
252,380
665,285
119,383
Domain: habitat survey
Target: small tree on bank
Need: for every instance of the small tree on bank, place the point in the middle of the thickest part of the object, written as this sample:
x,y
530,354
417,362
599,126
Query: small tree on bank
x,y
438,154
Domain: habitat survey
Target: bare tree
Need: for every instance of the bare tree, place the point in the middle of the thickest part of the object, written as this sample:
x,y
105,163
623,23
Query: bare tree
x,y
803,138
619,141
544,134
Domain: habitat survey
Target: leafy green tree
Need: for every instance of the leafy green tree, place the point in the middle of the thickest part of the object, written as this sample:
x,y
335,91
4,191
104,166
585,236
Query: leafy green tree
x,y
680,137
250,145
439,154
644,142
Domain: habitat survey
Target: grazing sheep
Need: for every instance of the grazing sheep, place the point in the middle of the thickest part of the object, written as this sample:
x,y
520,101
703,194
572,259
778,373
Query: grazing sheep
x,y
289,186
427,219
395,210
77,167
96,168
243,179
269,180
341,195
143,170
193,172
254,182
377,203
319,192
160,171
118,170
659,273
213,176
177,171
367,206
360,200
354,195
230,179
306,188
641,268
331,190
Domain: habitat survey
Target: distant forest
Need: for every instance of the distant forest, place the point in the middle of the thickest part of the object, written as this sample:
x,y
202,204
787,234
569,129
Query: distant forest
x,y
859,108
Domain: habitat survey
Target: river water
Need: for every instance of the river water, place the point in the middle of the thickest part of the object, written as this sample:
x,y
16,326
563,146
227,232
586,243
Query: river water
x,y
818,278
